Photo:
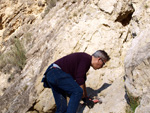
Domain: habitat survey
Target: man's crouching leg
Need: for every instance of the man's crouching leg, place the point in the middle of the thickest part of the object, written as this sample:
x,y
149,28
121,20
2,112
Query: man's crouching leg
x,y
74,100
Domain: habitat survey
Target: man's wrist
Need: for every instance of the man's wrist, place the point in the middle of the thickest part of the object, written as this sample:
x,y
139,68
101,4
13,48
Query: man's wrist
x,y
85,98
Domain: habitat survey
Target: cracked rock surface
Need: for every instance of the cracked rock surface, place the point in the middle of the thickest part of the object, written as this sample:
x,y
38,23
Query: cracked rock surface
x,y
50,29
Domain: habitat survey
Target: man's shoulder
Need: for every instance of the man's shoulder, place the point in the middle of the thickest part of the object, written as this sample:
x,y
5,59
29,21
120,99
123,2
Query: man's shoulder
x,y
76,56
80,53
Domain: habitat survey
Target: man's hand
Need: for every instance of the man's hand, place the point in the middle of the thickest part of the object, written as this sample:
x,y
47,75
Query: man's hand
x,y
88,102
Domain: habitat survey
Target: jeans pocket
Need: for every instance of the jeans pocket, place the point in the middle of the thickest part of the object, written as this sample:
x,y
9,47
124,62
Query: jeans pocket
x,y
53,75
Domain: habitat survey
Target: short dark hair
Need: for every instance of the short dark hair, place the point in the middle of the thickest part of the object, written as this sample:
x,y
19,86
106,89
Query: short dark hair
x,y
101,54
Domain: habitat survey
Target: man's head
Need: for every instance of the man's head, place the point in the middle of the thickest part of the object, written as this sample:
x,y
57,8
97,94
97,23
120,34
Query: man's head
x,y
99,58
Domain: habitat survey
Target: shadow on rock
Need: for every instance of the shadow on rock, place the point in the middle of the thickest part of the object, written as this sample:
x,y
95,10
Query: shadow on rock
x,y
92,93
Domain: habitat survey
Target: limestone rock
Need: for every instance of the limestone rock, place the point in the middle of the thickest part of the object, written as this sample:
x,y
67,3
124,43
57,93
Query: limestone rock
x,y
144,104
120,11
137,61
123,11
16,13
50,29
137,80
112,96
107,6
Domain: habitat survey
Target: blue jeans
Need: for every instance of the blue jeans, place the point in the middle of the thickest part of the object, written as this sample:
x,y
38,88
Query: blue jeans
x,y
63,84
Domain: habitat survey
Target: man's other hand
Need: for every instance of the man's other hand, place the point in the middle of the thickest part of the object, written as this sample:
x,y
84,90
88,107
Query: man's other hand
x,y
88,101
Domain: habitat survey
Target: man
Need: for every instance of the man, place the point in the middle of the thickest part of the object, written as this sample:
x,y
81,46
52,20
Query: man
x,y
67,77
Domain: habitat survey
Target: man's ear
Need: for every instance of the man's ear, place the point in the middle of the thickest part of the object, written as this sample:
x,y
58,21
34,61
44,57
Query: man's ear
x,y
98,59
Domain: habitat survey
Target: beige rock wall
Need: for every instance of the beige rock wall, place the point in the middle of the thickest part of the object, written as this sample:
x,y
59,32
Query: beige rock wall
x,y
137,61
66,26
15,13
16,18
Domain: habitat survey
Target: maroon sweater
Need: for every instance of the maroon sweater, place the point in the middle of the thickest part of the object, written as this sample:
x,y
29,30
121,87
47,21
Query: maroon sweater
x,y
76,64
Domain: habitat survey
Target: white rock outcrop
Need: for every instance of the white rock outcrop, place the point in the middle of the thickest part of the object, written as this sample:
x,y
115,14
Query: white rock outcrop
x,y
50,29
137,62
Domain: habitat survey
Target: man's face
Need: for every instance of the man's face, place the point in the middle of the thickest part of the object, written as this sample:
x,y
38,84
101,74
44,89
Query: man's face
x,y
99,63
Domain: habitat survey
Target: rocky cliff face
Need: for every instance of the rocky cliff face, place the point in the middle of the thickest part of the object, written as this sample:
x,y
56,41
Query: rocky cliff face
x,y
137,61
50,29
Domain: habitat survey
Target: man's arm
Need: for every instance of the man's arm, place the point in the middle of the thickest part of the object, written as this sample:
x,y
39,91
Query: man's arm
x,y
84,90
85,99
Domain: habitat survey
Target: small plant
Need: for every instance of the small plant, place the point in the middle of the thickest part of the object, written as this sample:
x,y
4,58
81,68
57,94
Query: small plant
x,y
146,6
133,103
15,57
25,87
27,36
128,109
